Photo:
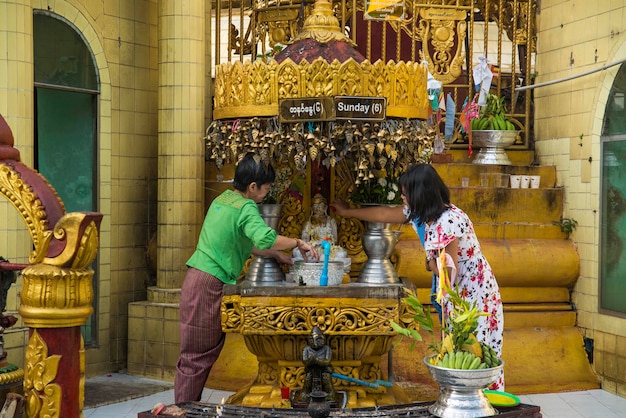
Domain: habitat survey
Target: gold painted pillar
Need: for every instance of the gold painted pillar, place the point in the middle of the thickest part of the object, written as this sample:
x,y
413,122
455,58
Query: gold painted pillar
x,y
180,145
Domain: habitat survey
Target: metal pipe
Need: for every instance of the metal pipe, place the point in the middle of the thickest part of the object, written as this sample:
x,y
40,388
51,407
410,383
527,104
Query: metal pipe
x,y
354,380
548,83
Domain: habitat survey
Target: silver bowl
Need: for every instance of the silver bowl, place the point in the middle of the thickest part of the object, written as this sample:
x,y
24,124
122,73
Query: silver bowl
x,y
462,393
311,272
492,145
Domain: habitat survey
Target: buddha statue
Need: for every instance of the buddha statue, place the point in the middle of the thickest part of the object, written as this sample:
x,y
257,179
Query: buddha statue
x,y
319,227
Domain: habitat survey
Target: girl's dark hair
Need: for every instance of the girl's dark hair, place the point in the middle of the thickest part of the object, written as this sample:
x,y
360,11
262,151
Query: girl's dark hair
x,y
251,169
426,193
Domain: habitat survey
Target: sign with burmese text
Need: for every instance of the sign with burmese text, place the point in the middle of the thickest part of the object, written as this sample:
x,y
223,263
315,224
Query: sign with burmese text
x,y
384,9
306,109
360,108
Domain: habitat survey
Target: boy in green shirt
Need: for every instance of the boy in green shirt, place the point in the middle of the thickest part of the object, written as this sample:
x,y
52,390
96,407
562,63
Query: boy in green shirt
x,y
232,230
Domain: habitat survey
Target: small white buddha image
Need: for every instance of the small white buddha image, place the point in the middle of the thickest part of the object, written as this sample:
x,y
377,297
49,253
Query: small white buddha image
x,y
319,227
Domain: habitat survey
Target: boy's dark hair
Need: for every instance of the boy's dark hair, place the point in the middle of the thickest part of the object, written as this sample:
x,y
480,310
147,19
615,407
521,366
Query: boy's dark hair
x,y
426,193
251,169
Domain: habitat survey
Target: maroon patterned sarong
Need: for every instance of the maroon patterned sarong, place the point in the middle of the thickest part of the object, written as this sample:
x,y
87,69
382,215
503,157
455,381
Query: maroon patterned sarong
x,y
201,336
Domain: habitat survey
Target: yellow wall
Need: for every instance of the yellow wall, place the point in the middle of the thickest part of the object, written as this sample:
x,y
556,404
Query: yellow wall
x,y
123,39
573,38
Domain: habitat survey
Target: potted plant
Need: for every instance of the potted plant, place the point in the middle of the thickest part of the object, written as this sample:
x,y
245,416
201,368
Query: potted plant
x,y
492,132
461,365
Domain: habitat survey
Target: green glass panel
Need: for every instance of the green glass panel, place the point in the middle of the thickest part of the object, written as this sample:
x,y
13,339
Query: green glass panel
x,y
61,55
65,145
613,229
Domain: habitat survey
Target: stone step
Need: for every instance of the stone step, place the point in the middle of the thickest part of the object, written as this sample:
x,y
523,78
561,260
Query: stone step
x,y
500,205
453,173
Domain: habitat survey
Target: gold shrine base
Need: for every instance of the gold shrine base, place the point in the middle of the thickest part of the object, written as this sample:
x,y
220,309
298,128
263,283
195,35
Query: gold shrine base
x,y
276,322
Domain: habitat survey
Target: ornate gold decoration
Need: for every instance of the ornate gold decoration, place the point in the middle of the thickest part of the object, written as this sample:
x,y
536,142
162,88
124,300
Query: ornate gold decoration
x,y
293,217
330,319
276,330
54,297
443,31
280,316
279,24
238,92
43,397
29,206
322,25
392,144
81,246
232,316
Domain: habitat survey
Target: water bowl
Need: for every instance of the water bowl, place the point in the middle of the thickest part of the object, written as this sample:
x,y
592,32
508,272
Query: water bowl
x,y
311,272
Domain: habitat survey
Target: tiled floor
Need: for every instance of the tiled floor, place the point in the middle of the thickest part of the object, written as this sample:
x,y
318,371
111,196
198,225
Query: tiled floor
x,y
584,404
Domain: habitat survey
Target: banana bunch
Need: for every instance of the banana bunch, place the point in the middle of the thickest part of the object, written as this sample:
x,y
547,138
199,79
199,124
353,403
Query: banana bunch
x,y
461,360
490,358
471,355
491,116
467,360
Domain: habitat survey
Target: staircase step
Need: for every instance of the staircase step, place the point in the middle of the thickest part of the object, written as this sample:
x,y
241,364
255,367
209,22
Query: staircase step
x,y
517,230
453,173
500,205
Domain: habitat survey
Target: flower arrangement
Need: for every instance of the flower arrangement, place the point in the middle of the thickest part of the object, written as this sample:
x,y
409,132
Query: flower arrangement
x,y
377,187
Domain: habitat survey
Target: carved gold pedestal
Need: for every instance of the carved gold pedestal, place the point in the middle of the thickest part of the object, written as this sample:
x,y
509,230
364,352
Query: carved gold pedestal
x,y
276,322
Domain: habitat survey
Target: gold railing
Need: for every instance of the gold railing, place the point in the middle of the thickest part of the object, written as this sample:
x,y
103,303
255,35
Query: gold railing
x,y
449,34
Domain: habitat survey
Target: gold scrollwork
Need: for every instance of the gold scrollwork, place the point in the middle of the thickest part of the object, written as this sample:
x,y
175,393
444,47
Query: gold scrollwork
x,y
330,319
81,245
43,396
232,315
443,33
292,376
28,204
267,374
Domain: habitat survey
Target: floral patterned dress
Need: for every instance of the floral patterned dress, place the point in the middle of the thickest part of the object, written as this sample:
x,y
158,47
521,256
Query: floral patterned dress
x,y
476,282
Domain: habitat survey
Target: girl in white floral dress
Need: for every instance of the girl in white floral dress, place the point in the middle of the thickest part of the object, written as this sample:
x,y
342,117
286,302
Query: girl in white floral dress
x,y
454,231
427,203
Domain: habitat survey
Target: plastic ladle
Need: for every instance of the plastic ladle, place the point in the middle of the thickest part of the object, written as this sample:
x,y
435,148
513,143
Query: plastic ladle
x,y
324,277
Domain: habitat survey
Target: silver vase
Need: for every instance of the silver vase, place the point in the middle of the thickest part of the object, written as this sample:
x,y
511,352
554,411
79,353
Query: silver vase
x,y
462,393
492,145
266,270
379,240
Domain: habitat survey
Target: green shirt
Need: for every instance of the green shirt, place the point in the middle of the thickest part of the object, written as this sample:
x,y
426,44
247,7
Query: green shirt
x,y
231,228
